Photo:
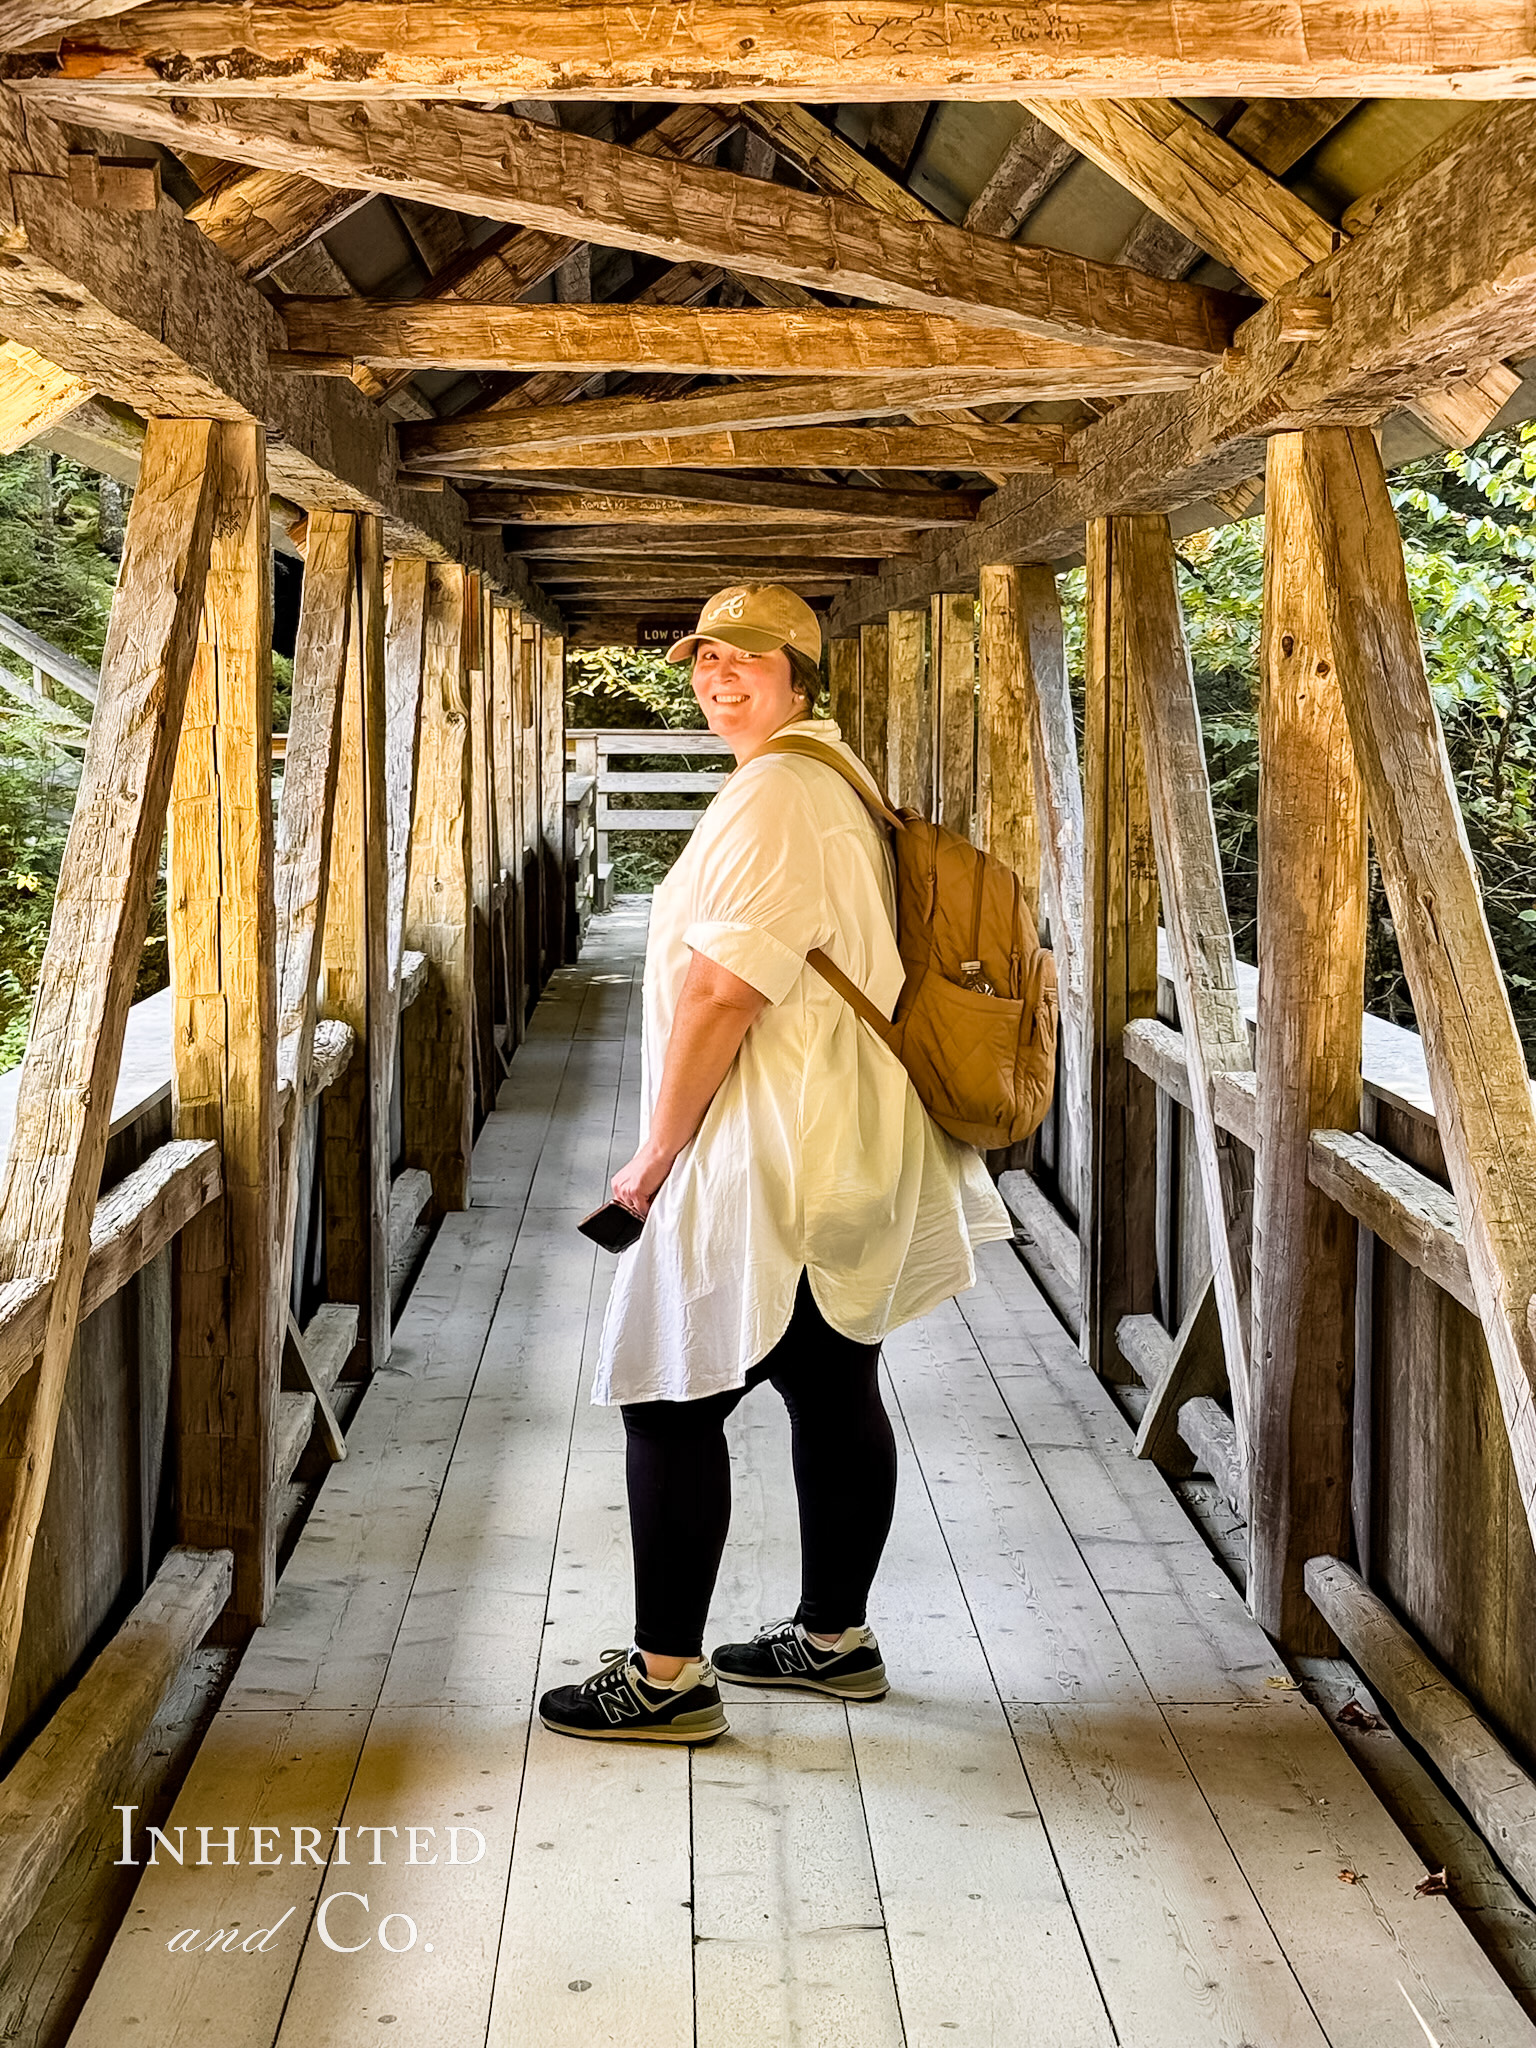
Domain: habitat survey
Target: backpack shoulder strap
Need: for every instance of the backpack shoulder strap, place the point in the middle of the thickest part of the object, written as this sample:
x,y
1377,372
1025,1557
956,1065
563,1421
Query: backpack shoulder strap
x,y
850,992
813,750
882,809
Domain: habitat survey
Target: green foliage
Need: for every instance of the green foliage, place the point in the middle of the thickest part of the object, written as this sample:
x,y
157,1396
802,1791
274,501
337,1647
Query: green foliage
x,y
629,686
56,576
1469,540
614,687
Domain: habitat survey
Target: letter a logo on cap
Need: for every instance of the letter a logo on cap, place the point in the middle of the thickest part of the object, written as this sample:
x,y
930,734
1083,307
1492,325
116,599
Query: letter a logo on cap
x,y
729,607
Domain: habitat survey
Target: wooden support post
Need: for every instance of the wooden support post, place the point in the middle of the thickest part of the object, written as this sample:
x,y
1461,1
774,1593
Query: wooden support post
x,y
552,787
1477,1069
405,646
84,988
354,1111
874,695
1043,685
439,1052
482,847
1312,923
503,731
843,686
1118,1225
223,951
907,762
305,822
1005,788
1194,911
529,686
952,636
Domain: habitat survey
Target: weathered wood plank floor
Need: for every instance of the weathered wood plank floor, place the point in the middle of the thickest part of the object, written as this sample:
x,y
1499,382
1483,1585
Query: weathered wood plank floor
x,y
1091,1811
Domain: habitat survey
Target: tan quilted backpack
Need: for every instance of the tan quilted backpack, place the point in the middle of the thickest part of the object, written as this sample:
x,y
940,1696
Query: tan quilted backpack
x,y
975,1022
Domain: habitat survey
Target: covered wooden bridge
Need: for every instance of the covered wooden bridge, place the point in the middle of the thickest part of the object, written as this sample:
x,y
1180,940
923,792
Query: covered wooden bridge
x,y
1212,1595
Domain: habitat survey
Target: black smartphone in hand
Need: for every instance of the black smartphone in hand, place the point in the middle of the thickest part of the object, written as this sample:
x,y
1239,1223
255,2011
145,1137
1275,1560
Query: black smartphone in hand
x,y
613,1226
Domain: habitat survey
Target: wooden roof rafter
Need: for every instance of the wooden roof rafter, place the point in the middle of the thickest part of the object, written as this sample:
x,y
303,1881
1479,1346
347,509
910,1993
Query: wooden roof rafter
x,y
567,184
1206,189
1411,307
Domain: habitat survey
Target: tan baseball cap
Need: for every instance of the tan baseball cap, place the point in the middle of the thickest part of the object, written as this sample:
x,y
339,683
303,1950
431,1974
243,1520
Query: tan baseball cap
x,y
757,618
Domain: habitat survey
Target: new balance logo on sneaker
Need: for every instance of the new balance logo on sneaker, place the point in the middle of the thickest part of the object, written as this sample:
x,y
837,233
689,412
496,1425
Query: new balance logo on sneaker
x,y
783,1654
623,1702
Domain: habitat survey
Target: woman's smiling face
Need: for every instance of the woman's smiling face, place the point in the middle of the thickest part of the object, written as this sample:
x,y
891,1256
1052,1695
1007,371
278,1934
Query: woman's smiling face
x,y
745,698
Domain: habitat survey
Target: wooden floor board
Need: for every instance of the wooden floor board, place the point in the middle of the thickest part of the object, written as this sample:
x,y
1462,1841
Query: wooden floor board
x,y
340,1599
273,1769
790,1942
1381,1965
1047,1631
598,1938
982,1935
1182,1951
423,1772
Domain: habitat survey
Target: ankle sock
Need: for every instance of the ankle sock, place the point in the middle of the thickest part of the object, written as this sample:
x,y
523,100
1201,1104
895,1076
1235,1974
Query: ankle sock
x,y
846,1641
691,1675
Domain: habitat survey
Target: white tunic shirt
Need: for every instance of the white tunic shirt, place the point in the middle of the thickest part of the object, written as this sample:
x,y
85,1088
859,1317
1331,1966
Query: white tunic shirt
x,y
815,1153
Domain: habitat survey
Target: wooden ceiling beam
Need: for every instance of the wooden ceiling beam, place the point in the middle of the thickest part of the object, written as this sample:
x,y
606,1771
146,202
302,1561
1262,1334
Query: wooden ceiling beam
x,y
628,571
645,335
35,395
829,161
643,592
925,448
617,514
515,260
23,22
684,284
722,49
567,184
481,440
769,543
1446,278
840,170
678,487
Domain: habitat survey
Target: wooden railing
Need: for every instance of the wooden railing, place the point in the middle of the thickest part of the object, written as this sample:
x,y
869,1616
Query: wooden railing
x,y
594,752
52,664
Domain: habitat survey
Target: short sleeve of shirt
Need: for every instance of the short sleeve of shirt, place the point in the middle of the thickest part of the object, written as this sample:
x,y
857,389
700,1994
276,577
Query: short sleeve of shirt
x,y
760,900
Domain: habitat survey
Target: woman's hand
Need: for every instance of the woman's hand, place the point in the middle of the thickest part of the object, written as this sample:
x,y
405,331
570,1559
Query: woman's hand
x,y
636,1184
714,1012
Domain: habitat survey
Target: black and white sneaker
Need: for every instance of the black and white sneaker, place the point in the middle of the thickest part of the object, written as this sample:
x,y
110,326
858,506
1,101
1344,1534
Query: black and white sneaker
x,y
783,1654
622,1703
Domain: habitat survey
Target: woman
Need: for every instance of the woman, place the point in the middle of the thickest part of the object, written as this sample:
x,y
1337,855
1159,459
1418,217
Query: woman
x,y
799,1201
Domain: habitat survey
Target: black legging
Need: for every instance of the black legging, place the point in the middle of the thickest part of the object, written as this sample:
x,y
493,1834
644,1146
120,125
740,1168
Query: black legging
x,y
679,1473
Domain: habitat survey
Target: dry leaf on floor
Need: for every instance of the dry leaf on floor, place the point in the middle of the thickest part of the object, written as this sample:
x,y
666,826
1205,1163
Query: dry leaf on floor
x,y
1283,1684
1353,1715
1432,1886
